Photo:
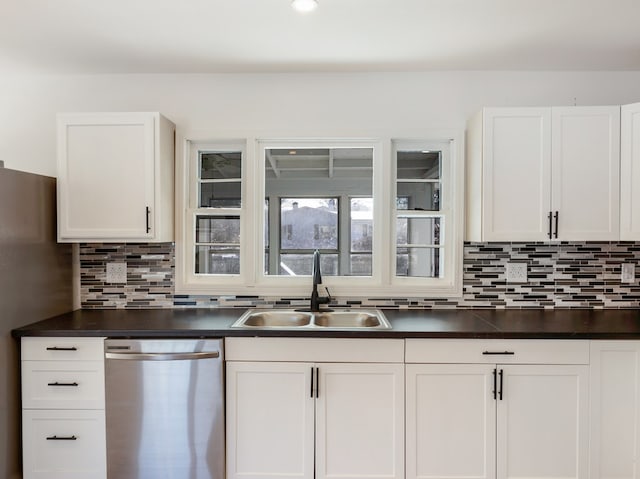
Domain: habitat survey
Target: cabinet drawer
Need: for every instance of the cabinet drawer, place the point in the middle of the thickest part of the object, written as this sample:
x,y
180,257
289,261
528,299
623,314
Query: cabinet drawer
x,y
331,350
64,444
63,349
63,385
497,351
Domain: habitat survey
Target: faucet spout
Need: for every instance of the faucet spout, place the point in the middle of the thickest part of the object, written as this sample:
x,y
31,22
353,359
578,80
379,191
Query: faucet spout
x,y
317,275
316,299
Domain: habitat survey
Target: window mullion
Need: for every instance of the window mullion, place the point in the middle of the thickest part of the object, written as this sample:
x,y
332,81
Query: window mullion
x,y
344,235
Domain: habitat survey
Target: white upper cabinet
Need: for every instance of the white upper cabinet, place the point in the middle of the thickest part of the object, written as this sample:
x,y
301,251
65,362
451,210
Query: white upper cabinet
x,y
510,171
630,173
539,174
586,173
115,177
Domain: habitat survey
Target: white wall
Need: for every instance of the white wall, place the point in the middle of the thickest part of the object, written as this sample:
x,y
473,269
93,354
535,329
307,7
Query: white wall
x,y
287,104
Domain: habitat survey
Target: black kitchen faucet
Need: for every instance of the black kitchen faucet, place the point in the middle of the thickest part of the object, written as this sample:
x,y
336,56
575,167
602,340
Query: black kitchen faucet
x,y
317,300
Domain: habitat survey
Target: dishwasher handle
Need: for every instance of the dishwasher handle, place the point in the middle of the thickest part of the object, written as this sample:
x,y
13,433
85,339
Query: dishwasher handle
x,y
162,356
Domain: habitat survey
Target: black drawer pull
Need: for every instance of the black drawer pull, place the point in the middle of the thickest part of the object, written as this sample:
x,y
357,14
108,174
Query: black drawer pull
x,y
63,384
62,438
502,353
56,348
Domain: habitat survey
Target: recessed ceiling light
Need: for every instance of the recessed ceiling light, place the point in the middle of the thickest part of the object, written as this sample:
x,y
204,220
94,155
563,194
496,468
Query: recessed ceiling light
x,y
304,5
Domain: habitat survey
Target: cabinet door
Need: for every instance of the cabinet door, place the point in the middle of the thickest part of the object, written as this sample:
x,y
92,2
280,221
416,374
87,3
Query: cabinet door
x,y
270,415
105,175
615,409
450,421
586,172
360,421
542,422
516,174
630,173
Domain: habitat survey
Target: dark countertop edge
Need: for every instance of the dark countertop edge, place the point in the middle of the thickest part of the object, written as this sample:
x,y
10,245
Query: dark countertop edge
x,y
327,334
428,323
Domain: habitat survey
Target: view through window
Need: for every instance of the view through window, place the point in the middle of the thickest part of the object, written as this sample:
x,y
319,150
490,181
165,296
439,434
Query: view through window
x,y
319,198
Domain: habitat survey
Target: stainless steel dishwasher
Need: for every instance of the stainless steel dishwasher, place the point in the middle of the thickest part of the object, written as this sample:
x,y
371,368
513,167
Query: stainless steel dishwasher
x,y
165,409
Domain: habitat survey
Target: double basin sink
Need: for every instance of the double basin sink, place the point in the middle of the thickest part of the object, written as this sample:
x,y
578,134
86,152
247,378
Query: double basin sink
x,y
368,319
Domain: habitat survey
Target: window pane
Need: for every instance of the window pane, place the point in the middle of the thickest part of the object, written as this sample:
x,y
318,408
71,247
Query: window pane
x,y
309,223
423,165
402,203
418,231
218,229
221,195
418,196
301,264
305,176
218,165
360,264
361,224
217,260
418,262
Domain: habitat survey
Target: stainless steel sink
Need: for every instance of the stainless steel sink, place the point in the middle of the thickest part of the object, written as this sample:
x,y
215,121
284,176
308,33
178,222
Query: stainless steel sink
x,y
276,319
349,319
370,319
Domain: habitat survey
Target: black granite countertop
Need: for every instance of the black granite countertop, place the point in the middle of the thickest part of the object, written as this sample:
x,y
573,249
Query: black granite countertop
x,y
460,323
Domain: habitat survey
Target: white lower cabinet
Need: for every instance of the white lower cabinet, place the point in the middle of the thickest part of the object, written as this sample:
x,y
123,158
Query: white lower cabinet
x,y
314,419
542,422
615,409
450,421
63,413
494,419
270,420
64,444
307,408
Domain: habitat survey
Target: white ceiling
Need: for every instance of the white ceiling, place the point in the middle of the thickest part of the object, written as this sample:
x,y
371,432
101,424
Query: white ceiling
x,y
209,36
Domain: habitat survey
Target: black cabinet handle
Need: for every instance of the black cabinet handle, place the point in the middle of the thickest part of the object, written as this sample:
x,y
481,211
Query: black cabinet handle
x,y
501,353
148,214
495,384
56,348
315,382
549,232
63,384
555,233
501,381
62,438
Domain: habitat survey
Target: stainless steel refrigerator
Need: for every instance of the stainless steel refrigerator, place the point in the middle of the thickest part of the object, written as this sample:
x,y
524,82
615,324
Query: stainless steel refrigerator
x,y
35,283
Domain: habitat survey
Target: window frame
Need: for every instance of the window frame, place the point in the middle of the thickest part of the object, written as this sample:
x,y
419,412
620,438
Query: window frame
x,y
447,212
188,210
252,279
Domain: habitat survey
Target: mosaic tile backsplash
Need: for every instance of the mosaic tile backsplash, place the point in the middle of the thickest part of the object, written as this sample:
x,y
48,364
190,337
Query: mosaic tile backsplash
x,y
560,275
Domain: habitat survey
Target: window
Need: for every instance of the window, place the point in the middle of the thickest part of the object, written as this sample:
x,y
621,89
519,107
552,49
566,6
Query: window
x,y
214,214
297,178
419,252
384,214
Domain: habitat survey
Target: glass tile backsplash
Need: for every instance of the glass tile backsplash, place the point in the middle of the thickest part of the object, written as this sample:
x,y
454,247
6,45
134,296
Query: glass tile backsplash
x,y
560,275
